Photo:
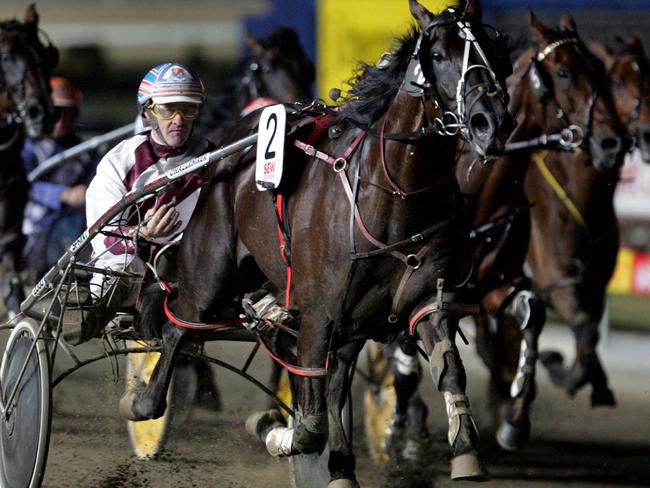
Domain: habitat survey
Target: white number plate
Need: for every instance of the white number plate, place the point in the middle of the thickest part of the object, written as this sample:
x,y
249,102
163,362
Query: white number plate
x,y
270,147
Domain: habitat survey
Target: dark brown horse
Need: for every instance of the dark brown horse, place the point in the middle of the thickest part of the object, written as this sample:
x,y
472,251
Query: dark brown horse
x,y
561,103
277,70
25,108
371,242
629,74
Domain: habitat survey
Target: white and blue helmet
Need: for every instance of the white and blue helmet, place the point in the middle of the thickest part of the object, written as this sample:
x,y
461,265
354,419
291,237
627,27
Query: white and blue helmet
x,y
169,83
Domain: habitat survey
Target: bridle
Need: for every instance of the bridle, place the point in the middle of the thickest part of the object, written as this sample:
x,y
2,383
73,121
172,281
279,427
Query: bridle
x,y
252,79
34,61
420,79
642,94
572,136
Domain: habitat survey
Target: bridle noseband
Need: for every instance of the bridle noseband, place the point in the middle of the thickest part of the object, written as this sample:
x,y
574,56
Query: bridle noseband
x,y
452,122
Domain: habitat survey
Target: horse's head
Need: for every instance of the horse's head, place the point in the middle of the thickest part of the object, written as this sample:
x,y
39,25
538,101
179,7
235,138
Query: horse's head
x,y
279,68
465,65
569,92
25,67
629,74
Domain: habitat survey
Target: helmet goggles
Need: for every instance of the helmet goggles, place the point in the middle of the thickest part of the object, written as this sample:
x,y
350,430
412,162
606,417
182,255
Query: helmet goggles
x,y
167,111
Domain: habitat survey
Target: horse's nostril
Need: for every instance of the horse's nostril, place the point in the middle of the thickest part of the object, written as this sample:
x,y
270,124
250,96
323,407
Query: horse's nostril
x,y
480,125
645,136
34,111
610,144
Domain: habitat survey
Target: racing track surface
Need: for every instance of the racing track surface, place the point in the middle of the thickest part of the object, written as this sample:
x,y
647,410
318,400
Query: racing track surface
x,y
572,445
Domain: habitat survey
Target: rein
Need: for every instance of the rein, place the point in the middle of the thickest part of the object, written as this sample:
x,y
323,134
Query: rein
x,y
255,328
10,142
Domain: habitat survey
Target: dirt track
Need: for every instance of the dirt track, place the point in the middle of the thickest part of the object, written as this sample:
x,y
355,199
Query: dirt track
x,y
572,444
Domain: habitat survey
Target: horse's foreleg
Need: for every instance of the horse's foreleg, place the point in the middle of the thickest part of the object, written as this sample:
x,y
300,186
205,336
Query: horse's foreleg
x,y
448,374
310,433
409,422
529,313
490,349
148,401
11,284
342,463
587,367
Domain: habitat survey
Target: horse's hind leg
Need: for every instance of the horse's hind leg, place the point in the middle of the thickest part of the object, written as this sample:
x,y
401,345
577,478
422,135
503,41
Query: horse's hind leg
x,y
148,401
586,368
342,463
530,314
448,374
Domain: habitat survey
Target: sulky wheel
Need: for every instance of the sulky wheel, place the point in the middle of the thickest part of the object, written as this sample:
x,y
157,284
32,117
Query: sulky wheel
x,y
378,403
25,422
147,436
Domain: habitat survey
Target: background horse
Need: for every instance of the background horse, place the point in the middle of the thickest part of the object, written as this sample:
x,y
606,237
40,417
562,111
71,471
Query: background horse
x,y
628,70
600,140
573,272
393,150
277,71
556,85
25,107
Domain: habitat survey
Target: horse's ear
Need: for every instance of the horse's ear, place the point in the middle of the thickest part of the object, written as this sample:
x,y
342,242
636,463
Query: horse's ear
x,y
567,23
633,41
602,52
474,9
539,31
254,44
421,14
31,16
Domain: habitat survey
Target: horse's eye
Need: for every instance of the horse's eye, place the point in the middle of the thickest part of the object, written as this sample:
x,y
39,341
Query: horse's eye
x,y
617,83
5,57
436,56
562,72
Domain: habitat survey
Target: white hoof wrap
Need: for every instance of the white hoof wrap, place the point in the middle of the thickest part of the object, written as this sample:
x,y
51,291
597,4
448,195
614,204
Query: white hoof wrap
x,y
278,441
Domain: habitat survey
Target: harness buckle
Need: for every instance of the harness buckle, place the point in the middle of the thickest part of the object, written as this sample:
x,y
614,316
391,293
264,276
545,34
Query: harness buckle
x,y
413,261
340,164
571,136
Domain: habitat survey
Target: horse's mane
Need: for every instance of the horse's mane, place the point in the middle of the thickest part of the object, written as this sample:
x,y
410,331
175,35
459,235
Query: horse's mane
x,y
374,86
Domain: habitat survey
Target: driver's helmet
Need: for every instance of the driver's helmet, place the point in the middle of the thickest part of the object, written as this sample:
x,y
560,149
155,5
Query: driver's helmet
x,y
170,83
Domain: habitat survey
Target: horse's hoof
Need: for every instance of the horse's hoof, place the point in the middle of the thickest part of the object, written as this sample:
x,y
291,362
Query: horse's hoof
x,y
343,483
468,467
602,397
279,441
258,424
512,438
127,406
